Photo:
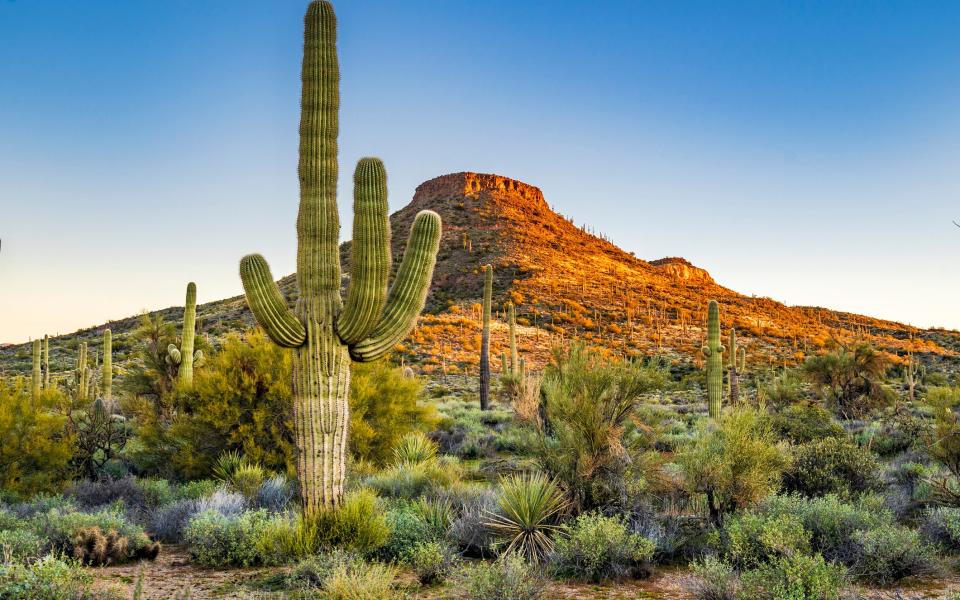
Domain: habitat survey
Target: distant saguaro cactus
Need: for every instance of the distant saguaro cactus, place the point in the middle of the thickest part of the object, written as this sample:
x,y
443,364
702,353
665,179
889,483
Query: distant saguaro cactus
x,y
82,374
485,338
36,379
324,333
714,353
46,361
512,323
185,357
737,359
107,373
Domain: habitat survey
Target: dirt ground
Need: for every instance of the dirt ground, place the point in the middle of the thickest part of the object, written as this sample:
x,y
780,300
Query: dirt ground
x,y
172,576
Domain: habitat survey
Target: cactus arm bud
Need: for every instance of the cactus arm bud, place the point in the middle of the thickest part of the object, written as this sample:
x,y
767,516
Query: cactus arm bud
x,y
409,291
174,354
268,304
370,257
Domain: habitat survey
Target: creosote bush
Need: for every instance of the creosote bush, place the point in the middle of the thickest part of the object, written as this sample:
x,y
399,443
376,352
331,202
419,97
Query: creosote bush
x,y
597,548
832,465
508,578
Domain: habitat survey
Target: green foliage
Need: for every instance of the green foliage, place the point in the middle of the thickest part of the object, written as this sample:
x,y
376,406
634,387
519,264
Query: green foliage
x,y
37,446
851,380
597,548
588,431
65,530
889,553
432,561
415,480
361,581
711,579
529,507
413,449
736,464
49,578
941,525
832,465
20,545
216,540
357,525
783,390
795,577
750,539
239,474
509,578
384,409
408,530
805,422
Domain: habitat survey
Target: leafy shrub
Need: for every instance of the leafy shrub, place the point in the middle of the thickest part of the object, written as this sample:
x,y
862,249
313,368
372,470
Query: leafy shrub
x,y
597,548
168,523
851,379
941,525
432,561
357,525
217,540
528,513
469,530
831,465
274,494
796,577
407,531
711,579
19,545
784,390
49,578
508,578
312,572
36,446
224,502
805,422
750,539
415,480
889,553
361,581
194,490
735,465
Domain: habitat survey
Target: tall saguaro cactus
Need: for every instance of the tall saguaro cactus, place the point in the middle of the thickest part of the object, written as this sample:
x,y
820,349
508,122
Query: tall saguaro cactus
x,y
714,353
323,333
107,373
485,338
185,356
35,381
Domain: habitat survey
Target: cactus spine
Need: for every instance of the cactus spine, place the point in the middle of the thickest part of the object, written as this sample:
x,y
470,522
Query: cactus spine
x,y
713,351
107,373
323,333
485,338
185,357
35,380
512,322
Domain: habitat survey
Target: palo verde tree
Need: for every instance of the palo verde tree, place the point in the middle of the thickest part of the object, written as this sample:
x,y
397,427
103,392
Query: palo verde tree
x,y
324,333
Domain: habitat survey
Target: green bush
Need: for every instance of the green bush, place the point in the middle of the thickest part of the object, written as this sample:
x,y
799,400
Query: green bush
x,y
357,525
831,465
941,525
596,548
528,513
432,561
784,390
215,540
361,581
851,379
37,447
49,578
735,465
509,578
60,528
805,422
19,545
750,539
796,577
415,480
407,531
711,579
889,553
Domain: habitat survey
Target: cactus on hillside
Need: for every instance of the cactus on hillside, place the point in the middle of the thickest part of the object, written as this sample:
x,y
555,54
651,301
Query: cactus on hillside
x,y
324,332
512,322
82,374
485,338
107,373
714,353
184,357
737,359
35,380
46,362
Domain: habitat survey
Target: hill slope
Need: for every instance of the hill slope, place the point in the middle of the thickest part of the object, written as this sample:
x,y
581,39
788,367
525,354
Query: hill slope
x,y
566,284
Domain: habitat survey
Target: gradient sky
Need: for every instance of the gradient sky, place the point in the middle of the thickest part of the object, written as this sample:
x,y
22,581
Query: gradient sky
x,y
806,151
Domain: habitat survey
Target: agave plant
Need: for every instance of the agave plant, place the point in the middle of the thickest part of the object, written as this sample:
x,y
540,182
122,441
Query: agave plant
x,y
528,512
414,448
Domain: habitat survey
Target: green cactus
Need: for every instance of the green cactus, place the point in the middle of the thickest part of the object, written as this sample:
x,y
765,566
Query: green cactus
x,y
714,354
504,369
324,334
35,380
512,322
107,372
82,374
485,338
184,357
734,377
46,362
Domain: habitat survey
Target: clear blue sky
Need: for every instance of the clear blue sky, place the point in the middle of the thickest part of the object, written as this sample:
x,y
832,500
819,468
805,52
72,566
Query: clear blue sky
x,y
807,151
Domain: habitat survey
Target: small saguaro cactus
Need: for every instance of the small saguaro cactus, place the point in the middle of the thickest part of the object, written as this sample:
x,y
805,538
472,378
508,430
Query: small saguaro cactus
x,y
107,373
82,374
324,333
512,322
714,353
35,380
485,338
184,357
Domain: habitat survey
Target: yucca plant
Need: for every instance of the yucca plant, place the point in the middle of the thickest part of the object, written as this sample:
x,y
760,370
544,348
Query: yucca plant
x,y
414,448
528,513
438,514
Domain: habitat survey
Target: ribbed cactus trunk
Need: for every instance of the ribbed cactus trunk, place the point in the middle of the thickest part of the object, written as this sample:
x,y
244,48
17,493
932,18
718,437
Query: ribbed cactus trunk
x,y
485,338
713,352
36,379
734,376
187,337
512,322
107,373
325,334
82,374
46,362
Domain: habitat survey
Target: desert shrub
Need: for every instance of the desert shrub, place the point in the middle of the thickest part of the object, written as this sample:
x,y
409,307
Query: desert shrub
x,y
850,380
156,492
508,578
588,402
217,540
224,502
240,474
407,530
194,490
19,545
96,547
750,539
889,553
274,494
357,525
783,390
678,538
805,422
168,522
42,503
313,571
711,579
66,531
831,465
413,449
596,548
50,578
529,507
384,409
432,561
941,525
795,577
900,432
415,480
469,530
93,494
361,581
735,465
37,447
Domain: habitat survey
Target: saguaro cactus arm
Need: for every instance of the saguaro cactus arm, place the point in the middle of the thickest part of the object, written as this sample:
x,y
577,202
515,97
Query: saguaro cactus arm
x,y
268,304
409,290
370,259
